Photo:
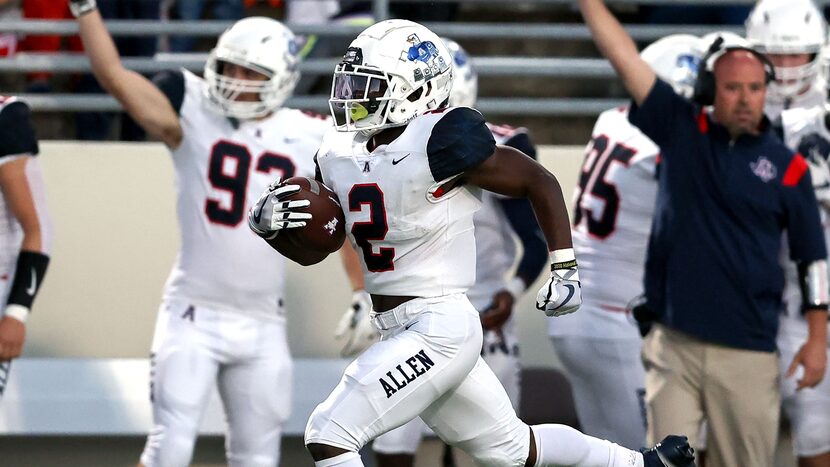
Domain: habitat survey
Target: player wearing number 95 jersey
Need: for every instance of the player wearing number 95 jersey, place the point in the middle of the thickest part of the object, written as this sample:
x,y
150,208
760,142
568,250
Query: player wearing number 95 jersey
x,y
600,346
221,322
408,170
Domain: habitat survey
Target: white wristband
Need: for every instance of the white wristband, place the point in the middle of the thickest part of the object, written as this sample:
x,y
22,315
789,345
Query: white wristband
x,y
516,287
564,255
18,312
80,8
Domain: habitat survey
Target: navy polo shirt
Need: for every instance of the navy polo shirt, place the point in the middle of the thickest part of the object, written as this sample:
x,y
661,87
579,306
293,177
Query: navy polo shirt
x,y
712,268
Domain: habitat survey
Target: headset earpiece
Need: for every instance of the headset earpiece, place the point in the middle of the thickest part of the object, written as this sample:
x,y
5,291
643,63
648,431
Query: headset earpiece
x,y
704,93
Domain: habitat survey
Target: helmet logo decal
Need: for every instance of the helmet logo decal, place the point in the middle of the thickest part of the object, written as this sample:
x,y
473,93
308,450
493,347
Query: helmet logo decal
x,y
427,53
353,56
293,47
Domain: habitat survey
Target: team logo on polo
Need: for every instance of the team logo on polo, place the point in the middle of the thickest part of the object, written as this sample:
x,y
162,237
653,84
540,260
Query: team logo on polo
x,y
764,169
406,372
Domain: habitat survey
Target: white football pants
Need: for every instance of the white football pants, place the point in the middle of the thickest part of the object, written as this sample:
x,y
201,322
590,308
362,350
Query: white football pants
x,y
500,352
429,364
195,349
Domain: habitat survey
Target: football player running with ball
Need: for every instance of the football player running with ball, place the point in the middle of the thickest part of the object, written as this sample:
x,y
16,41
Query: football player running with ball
x,y
408,171
221,322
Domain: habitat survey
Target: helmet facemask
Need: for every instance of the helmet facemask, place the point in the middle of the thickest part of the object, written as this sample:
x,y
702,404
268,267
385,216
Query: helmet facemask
x,y
791,81
359,97
261,45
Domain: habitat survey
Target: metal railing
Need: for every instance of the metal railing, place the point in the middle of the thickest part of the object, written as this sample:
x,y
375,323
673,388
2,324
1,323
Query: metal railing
x,y
486,66
553,31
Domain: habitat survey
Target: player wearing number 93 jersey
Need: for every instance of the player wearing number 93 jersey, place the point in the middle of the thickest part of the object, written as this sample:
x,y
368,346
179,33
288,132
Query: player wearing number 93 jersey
x,y
407,171
221,322
614,205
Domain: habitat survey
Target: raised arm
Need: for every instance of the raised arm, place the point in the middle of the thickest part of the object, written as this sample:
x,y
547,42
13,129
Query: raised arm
x,y
618,47
140,97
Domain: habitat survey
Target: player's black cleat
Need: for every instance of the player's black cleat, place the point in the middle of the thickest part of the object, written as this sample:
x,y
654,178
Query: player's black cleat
x,y
673,451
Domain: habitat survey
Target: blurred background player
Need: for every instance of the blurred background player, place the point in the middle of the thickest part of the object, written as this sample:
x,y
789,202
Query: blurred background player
x,y
791,34
805,130
25,229
407,167
222,322
498,224
614,204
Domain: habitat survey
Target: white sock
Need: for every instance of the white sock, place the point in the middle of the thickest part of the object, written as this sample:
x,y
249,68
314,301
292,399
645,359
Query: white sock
x,y
561,445
349,459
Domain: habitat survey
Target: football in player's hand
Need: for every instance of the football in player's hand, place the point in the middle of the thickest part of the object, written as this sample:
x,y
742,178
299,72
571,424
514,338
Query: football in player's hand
x,y
324,233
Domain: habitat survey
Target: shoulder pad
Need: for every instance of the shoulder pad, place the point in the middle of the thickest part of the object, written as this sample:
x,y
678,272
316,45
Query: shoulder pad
x,y
17,135
459,140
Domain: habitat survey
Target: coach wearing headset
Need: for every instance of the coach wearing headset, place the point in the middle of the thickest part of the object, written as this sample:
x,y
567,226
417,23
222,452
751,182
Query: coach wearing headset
x,y
728,188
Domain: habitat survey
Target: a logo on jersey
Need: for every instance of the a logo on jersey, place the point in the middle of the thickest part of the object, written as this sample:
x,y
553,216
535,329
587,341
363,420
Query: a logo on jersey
x,y
366,167
398,161
406,372
764,169
189,313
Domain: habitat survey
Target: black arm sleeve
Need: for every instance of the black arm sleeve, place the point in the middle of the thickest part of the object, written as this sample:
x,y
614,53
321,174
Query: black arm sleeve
x,y
28,277
171,83
17,135
459,141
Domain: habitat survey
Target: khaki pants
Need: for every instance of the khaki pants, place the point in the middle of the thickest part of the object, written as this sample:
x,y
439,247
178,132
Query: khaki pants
x,y
735,391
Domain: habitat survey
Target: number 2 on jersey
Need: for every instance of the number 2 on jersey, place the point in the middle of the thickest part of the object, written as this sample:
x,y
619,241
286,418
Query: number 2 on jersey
x,y
593,183
373,229
236,183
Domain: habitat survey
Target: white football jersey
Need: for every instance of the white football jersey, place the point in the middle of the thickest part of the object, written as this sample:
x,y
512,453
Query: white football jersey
x,y
412,230
496,243
614,206
17,139
804,130
222,167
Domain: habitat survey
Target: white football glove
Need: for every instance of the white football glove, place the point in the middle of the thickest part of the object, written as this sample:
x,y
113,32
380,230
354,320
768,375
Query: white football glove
x,y
356,327
562,293
270,214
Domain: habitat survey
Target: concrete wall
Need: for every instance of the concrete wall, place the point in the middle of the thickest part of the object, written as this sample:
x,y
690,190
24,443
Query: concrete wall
x,y
116,237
